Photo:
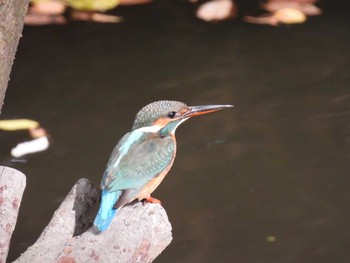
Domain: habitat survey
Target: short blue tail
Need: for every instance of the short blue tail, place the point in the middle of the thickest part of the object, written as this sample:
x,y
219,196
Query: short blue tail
x,y
106,213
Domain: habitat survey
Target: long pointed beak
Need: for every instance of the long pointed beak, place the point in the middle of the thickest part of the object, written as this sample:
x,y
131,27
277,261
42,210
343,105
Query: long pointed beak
x,y
199,110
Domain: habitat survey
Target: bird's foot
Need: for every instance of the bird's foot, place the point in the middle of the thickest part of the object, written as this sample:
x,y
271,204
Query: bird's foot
x,y
152,200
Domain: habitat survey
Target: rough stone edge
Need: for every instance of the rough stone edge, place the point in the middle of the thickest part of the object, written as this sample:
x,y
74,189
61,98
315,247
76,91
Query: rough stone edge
x,y
12,185
138,233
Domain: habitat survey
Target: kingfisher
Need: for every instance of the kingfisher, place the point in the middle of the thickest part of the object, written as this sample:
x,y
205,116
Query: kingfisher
x,y
143,156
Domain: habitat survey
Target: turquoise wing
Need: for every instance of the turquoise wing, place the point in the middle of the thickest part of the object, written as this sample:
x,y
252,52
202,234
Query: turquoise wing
x,y
116,154
135,162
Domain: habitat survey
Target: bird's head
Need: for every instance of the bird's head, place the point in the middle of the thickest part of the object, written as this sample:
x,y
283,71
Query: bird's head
x,y
167,115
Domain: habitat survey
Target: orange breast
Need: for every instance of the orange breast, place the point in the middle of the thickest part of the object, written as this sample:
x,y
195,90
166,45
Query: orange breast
x,y
152,185
148,189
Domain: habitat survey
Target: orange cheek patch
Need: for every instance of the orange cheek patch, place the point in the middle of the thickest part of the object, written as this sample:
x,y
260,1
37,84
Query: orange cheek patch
x,y
162,122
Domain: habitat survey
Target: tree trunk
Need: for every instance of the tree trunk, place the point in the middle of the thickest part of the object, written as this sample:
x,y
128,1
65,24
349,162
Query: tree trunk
x,y
12,14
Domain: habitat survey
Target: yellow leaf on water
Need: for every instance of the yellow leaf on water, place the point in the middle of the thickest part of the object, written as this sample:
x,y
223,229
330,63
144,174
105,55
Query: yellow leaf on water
x,y
270,238
18,124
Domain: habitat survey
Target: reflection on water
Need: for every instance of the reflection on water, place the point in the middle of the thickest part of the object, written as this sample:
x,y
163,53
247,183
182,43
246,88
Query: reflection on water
x,y
277,165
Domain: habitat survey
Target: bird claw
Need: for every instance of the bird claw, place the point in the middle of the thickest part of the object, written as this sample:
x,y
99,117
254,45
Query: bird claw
x,y
152,200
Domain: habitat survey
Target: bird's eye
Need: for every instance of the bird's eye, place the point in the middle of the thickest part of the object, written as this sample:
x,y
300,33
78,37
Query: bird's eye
x,y
171,114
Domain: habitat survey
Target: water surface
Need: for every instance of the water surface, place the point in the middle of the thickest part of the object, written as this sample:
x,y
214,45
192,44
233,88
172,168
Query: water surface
x,y
267,181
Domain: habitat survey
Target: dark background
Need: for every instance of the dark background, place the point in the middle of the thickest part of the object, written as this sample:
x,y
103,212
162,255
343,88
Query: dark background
x,y
277,165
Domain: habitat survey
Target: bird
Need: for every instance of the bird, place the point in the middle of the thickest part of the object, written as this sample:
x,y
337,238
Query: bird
x,y
142,158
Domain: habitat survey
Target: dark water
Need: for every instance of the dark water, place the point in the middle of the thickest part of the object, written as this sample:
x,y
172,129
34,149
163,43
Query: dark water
x,y
276,167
